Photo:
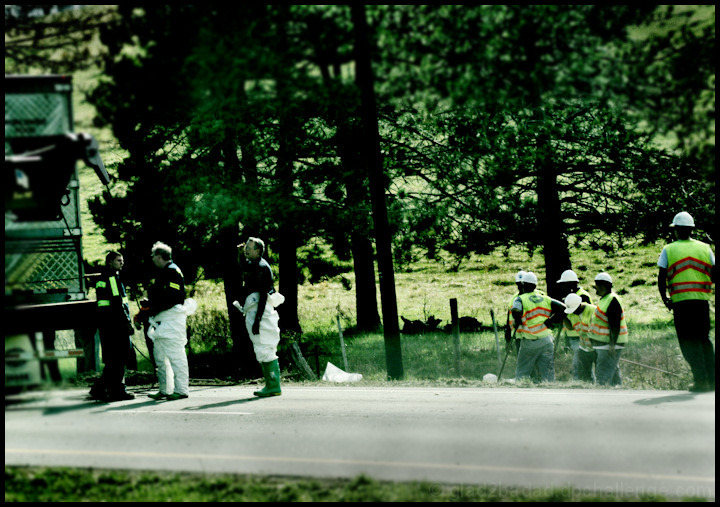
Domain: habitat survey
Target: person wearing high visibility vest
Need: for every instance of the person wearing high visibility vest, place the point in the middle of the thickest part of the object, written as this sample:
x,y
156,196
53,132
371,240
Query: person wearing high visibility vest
x,y
687,269
586,357
569,283
115,329
531,310
608,332
168,310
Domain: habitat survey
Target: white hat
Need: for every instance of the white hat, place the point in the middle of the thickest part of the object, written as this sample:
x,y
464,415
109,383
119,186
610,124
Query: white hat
x,y
683,219
603,277
568,276
572,301
530,278
519,276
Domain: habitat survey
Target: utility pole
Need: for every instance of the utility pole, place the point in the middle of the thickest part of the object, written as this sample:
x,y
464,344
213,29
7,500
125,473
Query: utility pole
x,y
376,176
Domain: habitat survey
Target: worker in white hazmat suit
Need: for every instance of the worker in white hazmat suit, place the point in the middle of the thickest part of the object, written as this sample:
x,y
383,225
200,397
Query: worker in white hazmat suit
x,y
168,310
261,318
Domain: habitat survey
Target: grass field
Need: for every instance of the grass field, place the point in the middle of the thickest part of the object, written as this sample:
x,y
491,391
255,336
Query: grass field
x,y
79,485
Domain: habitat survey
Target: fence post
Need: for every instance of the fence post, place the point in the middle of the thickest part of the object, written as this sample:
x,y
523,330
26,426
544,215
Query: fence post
x,y
497,341
342,343
455,333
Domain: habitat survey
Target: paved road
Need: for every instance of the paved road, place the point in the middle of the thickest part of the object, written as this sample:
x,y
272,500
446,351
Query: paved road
x,y
660,442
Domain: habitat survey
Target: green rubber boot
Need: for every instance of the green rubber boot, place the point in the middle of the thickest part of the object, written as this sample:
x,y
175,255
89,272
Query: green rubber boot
x,y
271,371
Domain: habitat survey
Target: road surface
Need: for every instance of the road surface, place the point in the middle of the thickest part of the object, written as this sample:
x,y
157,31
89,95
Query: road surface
x,y
602,440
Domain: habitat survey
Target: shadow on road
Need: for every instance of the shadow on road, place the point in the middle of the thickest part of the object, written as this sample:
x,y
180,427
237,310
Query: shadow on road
x,y
666,399
224,403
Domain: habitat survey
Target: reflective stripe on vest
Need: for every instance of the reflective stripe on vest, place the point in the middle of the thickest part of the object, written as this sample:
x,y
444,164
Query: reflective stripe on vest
x,y
537,308
584,326
689,270
575,319
115,291
599,326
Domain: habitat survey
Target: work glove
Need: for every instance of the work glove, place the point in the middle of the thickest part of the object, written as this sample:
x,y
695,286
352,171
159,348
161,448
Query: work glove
x,y
508,334
142,316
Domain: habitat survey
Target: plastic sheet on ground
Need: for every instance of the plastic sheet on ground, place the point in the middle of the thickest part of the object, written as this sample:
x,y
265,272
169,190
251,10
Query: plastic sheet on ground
x,y
335,374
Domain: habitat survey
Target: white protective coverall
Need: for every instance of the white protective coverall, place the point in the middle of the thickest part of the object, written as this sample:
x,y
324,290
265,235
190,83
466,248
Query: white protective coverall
x,y
264,344
169,335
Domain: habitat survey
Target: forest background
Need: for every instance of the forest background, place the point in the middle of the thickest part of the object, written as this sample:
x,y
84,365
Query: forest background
x,y
500,134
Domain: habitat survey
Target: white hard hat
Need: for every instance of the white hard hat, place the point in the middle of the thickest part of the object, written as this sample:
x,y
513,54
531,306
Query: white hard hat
x,y
568,276
683,219
603,277
519,276
572,301
530,278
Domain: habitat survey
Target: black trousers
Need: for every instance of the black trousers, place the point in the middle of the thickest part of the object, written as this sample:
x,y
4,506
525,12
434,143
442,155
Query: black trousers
x,y
692,324
115,343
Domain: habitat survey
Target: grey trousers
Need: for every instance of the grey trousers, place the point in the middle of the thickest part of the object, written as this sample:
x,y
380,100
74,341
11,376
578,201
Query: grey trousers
x,y
536,352
607,371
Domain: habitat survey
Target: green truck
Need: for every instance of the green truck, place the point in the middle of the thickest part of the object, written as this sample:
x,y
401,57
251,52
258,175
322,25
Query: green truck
x,y
46,289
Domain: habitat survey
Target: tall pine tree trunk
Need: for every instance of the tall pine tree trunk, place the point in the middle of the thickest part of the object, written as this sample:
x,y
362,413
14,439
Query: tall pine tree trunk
x,y
549,219
371,144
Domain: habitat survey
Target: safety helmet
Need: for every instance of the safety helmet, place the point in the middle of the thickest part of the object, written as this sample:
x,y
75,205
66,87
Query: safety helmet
x,y
519,276
530,278
683,219
572,301
568,276
603,277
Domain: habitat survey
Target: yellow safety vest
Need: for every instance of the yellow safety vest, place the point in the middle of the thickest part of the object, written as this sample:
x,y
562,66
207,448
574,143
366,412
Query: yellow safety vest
x,y
537,308
583,326
575,319
599,325
689,270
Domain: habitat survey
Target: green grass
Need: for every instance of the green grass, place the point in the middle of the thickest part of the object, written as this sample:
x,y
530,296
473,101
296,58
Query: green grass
x,y
88,485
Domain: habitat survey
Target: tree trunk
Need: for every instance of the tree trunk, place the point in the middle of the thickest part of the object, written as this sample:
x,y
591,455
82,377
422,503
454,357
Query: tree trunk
x,y
350,150
368,318
550,222
244,364
371,138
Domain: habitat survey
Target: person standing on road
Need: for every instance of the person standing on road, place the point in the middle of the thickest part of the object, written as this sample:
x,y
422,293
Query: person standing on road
x,y
168,311
261,318
687,268
570,284
608,332
530,311
115,329
585,357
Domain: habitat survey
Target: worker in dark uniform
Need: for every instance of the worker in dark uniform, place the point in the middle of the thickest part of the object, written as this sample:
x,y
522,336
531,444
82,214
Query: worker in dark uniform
x,y
115,330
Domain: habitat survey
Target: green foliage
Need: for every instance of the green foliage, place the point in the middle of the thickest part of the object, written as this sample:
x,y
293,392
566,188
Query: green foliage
x,y
34,484
501,125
